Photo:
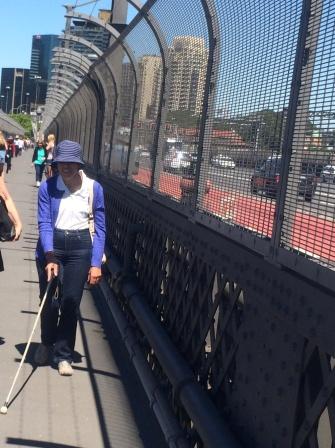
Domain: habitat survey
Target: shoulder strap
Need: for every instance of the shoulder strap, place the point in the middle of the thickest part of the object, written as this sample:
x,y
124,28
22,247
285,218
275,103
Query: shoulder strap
x,y
90,206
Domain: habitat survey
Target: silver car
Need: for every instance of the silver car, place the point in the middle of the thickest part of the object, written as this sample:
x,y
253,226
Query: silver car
x,y
328,174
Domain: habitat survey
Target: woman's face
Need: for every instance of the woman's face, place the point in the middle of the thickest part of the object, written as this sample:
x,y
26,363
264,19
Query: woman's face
x,y
68,170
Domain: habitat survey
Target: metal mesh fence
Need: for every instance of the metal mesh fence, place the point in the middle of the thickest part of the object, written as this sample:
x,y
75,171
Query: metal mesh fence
x,y
126,87
187,47
147,54
240,175
309,226
201,111
109,115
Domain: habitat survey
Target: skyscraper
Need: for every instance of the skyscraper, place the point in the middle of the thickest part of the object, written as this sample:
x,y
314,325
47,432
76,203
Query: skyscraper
x,y
188,58
14,89
40,67
150,78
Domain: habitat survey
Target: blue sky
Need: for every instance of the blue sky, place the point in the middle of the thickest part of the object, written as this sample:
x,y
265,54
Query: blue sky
x,y
21,19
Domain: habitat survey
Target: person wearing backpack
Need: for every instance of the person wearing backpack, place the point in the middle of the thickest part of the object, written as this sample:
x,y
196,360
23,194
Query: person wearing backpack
x,y
66,249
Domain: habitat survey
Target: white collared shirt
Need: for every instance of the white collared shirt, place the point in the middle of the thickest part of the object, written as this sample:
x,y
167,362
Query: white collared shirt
x,y
74,207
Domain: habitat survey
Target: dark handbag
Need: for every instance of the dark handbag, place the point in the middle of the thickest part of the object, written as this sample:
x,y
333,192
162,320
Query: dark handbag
x,y
7,229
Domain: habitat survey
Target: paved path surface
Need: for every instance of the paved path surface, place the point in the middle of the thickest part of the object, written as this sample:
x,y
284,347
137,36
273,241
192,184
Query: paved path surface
x,y
103,404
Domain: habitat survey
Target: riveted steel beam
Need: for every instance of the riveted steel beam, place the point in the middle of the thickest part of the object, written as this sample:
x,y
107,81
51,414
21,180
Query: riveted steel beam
x,y
58,86
82,41
66,74
62,80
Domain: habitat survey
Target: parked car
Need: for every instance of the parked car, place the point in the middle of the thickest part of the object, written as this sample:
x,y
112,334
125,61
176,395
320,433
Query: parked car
x,y
177,162
266,179
221,161
328,174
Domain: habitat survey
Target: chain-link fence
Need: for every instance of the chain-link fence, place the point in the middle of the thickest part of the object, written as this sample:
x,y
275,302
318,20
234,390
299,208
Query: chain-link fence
x,y
227,109
219,115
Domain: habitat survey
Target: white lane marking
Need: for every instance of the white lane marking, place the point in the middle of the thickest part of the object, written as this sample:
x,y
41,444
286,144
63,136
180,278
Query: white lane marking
x,y
306,252
327,195
325,203
231,175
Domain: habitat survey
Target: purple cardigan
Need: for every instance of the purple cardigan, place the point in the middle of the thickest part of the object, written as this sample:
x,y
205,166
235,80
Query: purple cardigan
x,y
49,198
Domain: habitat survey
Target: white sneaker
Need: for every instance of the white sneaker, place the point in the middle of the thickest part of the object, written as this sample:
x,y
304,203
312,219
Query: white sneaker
x,y
38,184
64,368
41,355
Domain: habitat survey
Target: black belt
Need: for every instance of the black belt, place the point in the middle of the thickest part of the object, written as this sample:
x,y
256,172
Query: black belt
x,y
72,232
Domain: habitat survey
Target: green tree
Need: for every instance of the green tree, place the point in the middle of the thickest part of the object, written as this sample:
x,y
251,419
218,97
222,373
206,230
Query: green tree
x,y
183,118
24,120
263,129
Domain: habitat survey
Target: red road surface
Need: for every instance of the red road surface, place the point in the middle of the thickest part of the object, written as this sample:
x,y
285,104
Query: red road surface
x,y
310,234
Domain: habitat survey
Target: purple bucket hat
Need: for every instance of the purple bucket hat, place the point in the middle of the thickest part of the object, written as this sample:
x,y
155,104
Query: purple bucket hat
x,y
68,151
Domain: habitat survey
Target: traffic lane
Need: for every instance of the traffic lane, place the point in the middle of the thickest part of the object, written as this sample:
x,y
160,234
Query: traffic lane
x,y
238,180
313,235
230,184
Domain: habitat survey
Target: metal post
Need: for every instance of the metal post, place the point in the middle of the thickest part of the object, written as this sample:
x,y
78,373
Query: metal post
x,y
7,92
298,112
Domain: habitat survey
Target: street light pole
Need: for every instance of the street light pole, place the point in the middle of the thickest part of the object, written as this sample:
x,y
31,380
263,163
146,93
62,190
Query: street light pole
x,y
20,107
259,125
2,98
37,78
7,92
28,102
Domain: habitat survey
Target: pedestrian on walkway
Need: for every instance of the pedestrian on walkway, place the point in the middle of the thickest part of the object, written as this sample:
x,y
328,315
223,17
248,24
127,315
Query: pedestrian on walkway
x,y
67,249
8,201
38,160
10,144
50,150
3,149
8,159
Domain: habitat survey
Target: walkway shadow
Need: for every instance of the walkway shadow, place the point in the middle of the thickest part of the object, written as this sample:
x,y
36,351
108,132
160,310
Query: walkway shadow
x,y
22,387
36,443
29,359
77,357
30,355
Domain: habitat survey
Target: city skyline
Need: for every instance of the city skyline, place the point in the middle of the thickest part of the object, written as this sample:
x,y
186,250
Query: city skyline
x,y
15,48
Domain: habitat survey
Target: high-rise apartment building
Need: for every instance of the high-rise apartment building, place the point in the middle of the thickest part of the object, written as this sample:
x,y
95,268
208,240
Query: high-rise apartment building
x,y
150,78
14,90
188,62
40,67
127,87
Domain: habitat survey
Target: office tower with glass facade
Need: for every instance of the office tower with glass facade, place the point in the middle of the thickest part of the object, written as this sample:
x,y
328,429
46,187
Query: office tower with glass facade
x,y
40,67
14,90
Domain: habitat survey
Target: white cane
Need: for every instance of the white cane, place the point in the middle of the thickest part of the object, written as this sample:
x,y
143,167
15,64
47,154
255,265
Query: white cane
x,y
4,408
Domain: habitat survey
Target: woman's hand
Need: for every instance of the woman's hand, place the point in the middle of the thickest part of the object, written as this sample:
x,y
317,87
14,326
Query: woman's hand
x,y
18,230
51,270
94,276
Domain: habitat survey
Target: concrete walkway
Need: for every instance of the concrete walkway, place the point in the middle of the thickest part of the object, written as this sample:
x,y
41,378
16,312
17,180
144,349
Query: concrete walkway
x,y
103,404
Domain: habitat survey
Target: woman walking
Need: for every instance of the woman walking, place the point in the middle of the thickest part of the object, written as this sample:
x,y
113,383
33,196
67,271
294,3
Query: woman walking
x,y
67,249
50,150
38,160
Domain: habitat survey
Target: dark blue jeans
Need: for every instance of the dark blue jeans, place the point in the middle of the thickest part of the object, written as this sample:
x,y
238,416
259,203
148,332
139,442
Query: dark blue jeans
x,y
39,169
73,249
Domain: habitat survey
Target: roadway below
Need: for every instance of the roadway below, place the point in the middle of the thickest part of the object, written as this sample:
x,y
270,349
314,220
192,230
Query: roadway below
x,y
308,226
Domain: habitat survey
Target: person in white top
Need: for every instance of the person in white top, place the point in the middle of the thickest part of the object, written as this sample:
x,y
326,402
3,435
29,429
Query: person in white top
x,y
50,149
67,248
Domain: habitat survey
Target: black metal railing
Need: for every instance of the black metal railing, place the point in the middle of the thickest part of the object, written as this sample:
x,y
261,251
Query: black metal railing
x,y
211,125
